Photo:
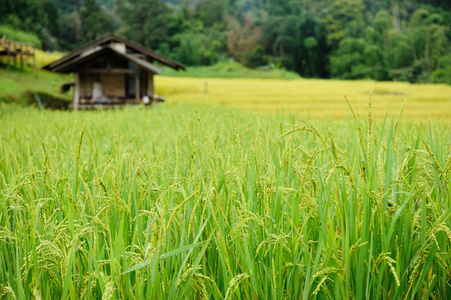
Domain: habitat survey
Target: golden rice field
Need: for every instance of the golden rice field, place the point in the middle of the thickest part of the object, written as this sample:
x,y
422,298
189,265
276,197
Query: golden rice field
x,y
314,97
43,57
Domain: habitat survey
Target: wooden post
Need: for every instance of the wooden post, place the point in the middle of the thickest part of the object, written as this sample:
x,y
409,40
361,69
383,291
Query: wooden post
x,y
34,57
76,91
7,53
22,50
137,87
144,83
150,86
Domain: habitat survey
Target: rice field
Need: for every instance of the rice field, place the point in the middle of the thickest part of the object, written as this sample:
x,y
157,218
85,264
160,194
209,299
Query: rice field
x,y
202,201
312,97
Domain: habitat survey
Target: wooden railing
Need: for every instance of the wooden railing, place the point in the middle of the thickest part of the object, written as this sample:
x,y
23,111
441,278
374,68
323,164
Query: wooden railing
x,y
13,49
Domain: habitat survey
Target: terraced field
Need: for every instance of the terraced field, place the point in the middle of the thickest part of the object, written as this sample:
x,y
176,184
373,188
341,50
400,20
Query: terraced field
x,y
318,98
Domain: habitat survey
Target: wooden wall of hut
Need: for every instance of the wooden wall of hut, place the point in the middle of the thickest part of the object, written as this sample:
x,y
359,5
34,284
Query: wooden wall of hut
x,y
113,85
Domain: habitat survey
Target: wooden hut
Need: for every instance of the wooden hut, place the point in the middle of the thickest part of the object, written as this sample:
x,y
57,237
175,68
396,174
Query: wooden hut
x,y
112,71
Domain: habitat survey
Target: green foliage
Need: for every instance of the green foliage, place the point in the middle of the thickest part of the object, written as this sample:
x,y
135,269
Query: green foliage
x,y
296,39
147,22
239,8
340,15
37,16
243,41
19,86
95,22
350,57
232,69
402,51
442,75
66,6
412,53
193,49
254,57
404,40
68,28
20,36
211,12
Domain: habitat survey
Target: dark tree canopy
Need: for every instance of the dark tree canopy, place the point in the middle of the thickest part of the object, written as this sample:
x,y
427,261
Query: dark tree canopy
x,y
384,39
147,22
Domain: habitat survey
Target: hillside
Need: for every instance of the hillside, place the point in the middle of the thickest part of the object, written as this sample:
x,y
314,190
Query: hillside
x,y
405,40
232,69
20,87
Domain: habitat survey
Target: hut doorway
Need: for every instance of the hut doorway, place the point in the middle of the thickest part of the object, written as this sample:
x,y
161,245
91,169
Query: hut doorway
x,y
130,86
97,90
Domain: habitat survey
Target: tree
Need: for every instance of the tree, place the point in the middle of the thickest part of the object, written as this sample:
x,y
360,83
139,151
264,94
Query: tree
x,y
193,49
147,22
283,7
349,59
211,12
240,8
429,40
77,21
243,41
95,22
40,17
339,16
295,39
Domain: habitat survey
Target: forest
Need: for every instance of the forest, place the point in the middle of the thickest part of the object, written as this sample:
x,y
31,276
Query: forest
x,y
390,40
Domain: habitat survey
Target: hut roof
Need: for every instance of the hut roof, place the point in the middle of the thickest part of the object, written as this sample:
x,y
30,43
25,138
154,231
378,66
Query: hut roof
x,y
99,46
71,65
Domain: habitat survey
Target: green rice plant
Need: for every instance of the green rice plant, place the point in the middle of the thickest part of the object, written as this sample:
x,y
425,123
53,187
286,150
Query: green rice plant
x,y
190,201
